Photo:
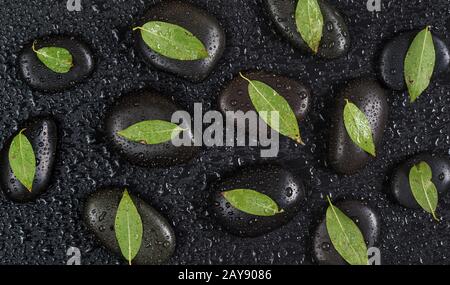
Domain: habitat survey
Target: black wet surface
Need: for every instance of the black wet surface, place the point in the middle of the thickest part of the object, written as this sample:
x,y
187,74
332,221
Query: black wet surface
x,y
41,232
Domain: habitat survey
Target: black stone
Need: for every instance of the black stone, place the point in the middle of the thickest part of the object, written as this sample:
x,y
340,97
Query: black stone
x,y
368,222
41,78
235,96
42,134
158,240
284,188
142,106
344,155
335,40
400,187
198,22
393,56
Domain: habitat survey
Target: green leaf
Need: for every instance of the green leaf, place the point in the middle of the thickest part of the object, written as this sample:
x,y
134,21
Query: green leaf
x,y
423,189
309,19
172,41
151,132
252,202
22,160
57,59
346,237
267,100
128,228
358,127
419,63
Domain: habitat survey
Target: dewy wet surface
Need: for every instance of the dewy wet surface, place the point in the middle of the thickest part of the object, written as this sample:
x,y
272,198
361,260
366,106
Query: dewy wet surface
x,y
41,232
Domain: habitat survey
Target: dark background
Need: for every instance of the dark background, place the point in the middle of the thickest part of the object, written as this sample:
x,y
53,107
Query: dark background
x,y
42,231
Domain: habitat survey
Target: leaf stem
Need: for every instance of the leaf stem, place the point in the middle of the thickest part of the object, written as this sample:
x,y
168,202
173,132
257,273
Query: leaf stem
x,y
329,200
33,47
245,78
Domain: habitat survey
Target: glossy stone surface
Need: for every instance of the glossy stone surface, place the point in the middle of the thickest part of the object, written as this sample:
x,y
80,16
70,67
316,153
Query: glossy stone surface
x,y
279,184
335,40
343,154
41,78
366,219
42,134
158,240
202,25
138,107
400,187
235,96
392,59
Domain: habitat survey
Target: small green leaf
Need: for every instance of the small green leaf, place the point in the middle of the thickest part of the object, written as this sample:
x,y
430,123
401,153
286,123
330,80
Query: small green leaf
x,y
346,237
358,127
151,132
423,189
56,59
172,41
128,228
22,160
419,63
266,100
309,19
252,202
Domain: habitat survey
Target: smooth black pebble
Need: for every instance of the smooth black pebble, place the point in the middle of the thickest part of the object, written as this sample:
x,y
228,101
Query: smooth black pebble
x,y
143,106
343,154
279,184
40,77
158,240
400,187
364,216
205,27
335,40
42,134
393,56
235,96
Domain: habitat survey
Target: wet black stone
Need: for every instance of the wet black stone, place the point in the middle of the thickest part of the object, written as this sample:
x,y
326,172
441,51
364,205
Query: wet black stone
x,y
134,108
158,240
198,22
366,219
392,59
400,188
235,96
343,154
283,187
42,134
40,77
336,39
